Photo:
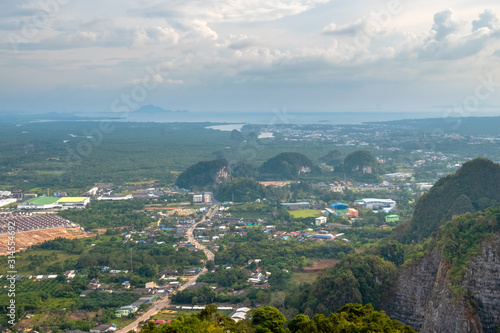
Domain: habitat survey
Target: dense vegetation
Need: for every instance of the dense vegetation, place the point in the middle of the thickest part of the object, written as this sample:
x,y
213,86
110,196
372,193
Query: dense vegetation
x,y
105,214
241,190
55,294
350,318
286,166
461,238
360,162
359,278
280,254
205,173
473,187
332,158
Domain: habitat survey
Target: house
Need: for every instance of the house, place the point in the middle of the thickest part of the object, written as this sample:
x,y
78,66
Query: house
x,y
240,314
125,311
352,213
69,274
320,220
320,236
191,271
126,284
103,328
95,286
392,218
371,203
151,285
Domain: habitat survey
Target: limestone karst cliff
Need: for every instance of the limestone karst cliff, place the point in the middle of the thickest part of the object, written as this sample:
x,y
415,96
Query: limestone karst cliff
x,y
424,298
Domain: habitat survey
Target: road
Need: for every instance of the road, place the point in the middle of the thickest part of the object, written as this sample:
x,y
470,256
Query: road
x,y
159,305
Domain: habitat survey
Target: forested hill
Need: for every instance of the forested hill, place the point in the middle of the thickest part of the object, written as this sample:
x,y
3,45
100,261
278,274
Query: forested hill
x,y
361,161
206,173
474,187
287,166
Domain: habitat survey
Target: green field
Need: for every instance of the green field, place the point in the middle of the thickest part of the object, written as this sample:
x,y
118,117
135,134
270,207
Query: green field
x,y
50,172
305,213
47,257
122,322
304,277
42,200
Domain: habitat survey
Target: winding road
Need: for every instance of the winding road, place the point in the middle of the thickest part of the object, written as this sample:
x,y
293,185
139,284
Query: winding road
x,y
159,305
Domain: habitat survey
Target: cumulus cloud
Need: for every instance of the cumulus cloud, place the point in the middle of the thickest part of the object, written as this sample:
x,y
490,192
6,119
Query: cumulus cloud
x,y
487,19
201,29
445,24
155,35
240,42
449,38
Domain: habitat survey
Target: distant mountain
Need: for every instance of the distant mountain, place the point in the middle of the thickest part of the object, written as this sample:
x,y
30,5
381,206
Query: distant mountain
x,y
153,109
361,161
287,166
205,173
474,187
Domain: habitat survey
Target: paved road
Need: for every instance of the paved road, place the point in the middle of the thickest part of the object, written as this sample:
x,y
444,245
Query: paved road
x,y
159,305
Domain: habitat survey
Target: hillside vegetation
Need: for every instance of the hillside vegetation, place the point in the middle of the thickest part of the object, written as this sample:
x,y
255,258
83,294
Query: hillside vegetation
x,y
350,318
473,187
205,173
287,166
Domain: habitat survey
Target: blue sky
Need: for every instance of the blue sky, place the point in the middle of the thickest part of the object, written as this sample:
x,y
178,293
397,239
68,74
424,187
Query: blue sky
x,y
250,55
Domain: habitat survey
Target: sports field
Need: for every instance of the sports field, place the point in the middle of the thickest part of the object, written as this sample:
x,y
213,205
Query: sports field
x,y
305,213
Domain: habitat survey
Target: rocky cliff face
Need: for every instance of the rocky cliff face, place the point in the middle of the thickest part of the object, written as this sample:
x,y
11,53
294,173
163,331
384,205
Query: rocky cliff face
x,y
222,175
422,298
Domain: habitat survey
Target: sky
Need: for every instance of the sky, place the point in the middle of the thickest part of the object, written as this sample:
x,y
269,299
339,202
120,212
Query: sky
x,y
250,55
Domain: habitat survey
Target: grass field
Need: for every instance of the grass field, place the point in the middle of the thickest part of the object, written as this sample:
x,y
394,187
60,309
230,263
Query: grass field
x,y
302,277
305,213
310,273
122,322
50,172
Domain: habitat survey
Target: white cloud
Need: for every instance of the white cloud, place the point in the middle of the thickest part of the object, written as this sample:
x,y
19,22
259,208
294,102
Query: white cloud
x,y
445,24
87,36
487,19
205,43
225,10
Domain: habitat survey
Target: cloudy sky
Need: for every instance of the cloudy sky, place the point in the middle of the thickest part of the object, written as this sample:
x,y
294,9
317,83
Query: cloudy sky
x,y
250,55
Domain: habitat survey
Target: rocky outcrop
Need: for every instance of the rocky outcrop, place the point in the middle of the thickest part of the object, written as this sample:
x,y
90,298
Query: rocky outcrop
x,y
222,175
423,299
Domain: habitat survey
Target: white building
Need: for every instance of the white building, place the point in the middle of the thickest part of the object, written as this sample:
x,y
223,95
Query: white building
x,y
198,198
320,220
5,193
372,203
